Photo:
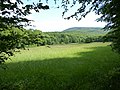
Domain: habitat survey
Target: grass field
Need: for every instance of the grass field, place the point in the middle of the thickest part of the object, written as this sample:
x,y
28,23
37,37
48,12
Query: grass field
x,y
61,67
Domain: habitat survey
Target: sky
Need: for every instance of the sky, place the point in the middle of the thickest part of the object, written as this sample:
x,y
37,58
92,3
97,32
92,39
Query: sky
x,y
52,20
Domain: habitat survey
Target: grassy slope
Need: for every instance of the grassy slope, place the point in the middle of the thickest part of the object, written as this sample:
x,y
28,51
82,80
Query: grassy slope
x,y
94,31
61,67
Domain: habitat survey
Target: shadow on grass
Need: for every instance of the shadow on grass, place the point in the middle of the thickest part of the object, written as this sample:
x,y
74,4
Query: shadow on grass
x,y
86,71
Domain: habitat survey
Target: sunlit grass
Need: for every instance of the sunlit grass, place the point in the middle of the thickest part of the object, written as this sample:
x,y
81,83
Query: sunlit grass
x,y
60,67
55,51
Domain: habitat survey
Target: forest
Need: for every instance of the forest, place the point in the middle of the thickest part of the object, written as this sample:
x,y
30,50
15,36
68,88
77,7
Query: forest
x,y
39,38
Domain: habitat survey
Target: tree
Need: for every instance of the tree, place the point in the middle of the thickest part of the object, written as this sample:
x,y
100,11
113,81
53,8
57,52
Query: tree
x,y
13,13
12,21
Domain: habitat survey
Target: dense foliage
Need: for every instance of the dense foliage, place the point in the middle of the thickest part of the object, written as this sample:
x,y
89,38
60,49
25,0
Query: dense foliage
x,y
12,15
38,38
9,40
111,14
68,37
17,38
80,35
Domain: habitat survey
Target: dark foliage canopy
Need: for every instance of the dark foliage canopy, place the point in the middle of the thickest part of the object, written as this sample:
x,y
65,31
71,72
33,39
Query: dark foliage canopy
x,y
12,16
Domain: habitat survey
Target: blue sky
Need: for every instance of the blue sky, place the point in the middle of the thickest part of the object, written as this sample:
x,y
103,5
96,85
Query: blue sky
x,y
52,20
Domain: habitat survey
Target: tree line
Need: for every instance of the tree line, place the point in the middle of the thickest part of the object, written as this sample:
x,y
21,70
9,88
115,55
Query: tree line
x,y
66,38
39,38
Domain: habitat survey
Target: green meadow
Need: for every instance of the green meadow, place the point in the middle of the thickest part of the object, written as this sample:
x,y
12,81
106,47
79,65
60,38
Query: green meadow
x,y
91,66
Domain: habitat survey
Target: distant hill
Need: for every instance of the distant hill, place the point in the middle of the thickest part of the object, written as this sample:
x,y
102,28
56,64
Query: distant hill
x,y
85,30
